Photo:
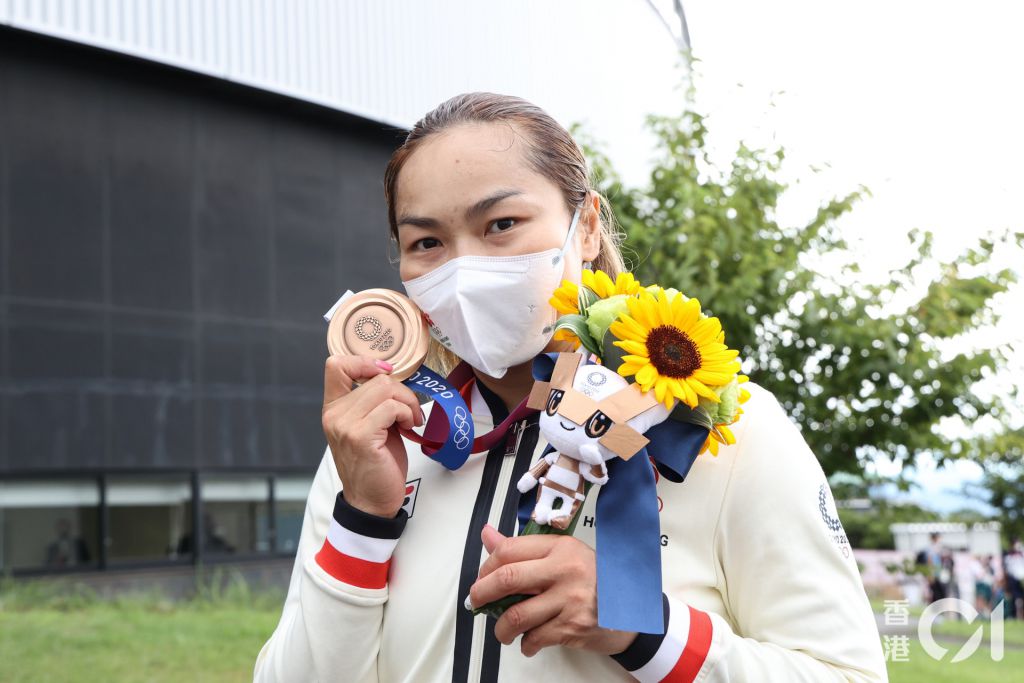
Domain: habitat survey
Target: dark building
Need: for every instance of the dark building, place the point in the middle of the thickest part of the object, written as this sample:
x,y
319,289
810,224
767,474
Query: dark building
x,y
168,245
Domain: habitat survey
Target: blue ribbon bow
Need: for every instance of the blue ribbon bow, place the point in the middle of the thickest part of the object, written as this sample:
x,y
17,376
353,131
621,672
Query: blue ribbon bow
x,y
627,521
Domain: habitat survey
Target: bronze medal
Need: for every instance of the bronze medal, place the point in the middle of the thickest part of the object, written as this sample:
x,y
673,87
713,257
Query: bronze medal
x,y
382,324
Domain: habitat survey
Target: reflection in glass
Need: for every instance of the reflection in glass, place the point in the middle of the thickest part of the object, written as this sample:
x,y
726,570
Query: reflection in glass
x,y
149,517
49,524
236,514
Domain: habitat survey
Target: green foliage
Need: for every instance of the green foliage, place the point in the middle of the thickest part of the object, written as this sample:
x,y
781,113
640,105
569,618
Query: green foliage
x,y
1002,487
858,373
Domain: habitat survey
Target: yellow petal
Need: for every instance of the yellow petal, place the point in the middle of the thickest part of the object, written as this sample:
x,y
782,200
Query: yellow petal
x,y
727,433
636,328
639,309
660,387
715,379
629,369
632,347
702,390
664,309
704,331
687,314
691,395
646,376
622,331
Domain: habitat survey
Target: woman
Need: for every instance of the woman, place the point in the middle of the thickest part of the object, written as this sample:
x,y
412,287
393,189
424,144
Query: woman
x,y
759,580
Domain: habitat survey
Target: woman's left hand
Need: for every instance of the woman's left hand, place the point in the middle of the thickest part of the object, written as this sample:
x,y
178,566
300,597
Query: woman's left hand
x,y
560,572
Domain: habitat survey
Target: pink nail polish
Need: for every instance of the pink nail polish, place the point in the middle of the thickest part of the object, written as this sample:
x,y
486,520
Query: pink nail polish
x,y
384,365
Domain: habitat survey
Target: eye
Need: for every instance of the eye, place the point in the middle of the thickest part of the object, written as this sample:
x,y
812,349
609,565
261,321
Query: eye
x,y
597,424
425,244
553,400
499,222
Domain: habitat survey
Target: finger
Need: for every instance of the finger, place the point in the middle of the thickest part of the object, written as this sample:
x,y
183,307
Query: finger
x,y
491,537
526,615
518,549
379,389
547,634
383,416
341,371
530,577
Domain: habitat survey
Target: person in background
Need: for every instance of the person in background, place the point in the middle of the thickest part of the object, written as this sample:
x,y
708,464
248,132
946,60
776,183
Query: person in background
x,y
933,555
67,550
981,571
1013,568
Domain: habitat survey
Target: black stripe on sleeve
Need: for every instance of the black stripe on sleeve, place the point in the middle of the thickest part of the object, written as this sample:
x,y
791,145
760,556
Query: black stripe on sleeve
x,y
646,645
365,524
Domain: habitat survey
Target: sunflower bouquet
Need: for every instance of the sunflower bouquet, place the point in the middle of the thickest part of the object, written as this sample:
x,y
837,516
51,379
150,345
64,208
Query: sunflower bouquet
x,y
661,340
660,388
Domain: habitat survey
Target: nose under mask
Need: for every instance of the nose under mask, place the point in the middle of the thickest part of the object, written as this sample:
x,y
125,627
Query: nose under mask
x,y
493,311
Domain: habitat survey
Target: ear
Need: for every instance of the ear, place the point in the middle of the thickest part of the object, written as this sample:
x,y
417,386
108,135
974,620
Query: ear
x,y
589,227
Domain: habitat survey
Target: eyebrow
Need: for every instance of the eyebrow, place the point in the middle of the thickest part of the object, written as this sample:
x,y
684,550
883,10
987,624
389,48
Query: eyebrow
x,y
472,212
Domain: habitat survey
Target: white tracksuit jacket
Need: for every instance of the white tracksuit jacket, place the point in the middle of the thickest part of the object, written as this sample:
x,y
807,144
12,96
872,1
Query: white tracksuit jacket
x,y
760,582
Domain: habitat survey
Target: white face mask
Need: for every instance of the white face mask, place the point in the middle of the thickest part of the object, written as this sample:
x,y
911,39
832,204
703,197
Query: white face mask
x,y
493,311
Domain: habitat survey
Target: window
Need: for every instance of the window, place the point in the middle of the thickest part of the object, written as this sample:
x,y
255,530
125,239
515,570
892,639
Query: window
x,y
236,514
290,495
49,524
150,518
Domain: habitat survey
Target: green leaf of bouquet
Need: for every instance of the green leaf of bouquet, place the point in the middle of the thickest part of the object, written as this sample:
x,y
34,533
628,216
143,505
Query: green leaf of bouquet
x,y
577,324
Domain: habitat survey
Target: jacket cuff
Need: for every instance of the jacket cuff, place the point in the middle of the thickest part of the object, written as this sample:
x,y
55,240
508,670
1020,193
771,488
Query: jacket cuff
x,y
675,656
358,547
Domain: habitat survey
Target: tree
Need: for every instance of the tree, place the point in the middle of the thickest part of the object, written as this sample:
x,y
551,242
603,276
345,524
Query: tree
x,y
859,374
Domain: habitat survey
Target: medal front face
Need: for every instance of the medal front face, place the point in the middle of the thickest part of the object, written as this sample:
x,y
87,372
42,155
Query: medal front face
x,y
384,325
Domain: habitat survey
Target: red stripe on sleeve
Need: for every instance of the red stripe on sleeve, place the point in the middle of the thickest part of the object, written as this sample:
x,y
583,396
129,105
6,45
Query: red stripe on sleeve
x,y
698,643
352,570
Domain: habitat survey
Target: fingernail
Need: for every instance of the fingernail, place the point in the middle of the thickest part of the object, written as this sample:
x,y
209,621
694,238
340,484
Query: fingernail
x,y
384,365
423,416
468,604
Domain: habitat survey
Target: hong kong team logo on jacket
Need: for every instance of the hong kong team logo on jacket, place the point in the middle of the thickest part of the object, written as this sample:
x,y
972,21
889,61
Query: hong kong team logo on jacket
x,y
412,488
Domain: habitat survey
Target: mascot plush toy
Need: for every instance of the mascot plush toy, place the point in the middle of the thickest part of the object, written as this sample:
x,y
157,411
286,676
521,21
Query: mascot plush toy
x,y
589,414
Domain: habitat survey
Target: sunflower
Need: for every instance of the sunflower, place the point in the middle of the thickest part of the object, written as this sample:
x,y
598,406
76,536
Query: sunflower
x,y
673,350
566,299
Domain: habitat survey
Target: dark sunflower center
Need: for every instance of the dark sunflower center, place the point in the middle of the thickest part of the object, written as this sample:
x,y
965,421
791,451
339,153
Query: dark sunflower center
x,y
672,352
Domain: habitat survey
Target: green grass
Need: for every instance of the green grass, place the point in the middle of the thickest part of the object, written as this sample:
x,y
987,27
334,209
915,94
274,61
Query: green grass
x,y
978,668
65,633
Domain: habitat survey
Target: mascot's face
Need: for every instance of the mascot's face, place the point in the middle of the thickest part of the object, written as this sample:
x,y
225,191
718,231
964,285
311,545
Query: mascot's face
x,y
596,382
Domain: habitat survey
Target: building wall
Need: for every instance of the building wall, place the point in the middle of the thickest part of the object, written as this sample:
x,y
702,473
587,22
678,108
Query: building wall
x,y
607,63
169,249
168,245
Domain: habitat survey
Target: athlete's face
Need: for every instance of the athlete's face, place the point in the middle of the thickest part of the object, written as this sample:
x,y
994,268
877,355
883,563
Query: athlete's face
x,y
469,191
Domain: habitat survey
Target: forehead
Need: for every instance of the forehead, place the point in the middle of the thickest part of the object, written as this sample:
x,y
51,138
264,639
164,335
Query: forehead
x,y
454,169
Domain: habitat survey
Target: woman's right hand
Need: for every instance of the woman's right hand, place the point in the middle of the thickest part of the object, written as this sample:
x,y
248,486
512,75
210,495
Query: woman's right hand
x,y
360,426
